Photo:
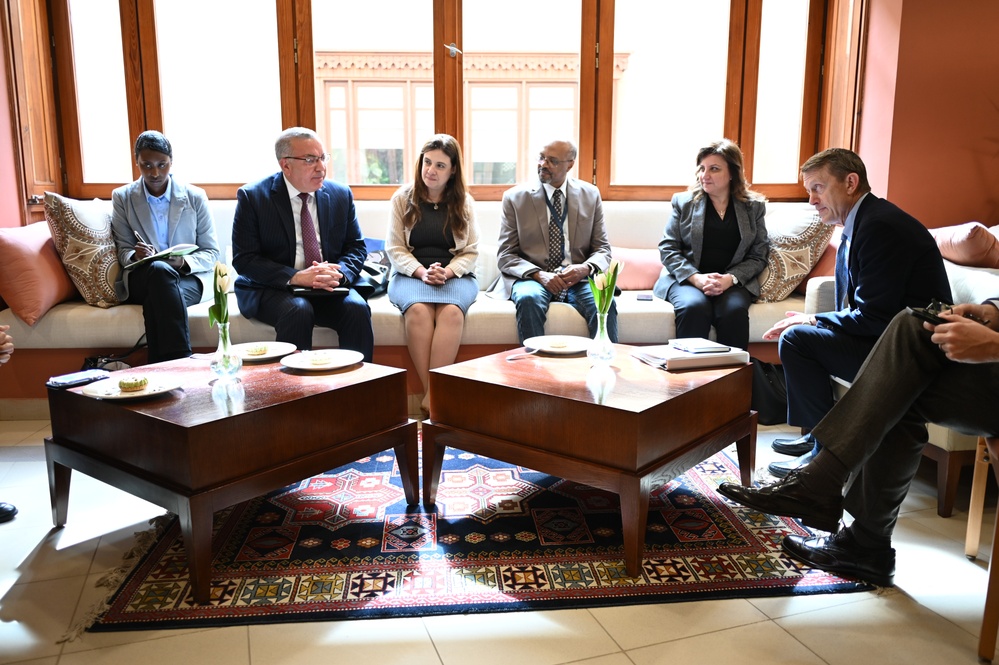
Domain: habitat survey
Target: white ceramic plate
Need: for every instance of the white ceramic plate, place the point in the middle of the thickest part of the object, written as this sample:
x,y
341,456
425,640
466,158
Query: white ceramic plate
x,y
108,388
559,345
274,350
335,359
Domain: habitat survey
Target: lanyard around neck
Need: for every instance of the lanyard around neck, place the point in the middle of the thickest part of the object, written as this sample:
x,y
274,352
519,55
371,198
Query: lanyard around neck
x,y
565,208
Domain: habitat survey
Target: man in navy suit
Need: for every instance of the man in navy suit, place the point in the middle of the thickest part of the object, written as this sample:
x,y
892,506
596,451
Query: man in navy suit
x,y
887,261
297,229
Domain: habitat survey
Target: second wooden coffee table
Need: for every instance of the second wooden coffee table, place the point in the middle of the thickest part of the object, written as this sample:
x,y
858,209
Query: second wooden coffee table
x,y
621,429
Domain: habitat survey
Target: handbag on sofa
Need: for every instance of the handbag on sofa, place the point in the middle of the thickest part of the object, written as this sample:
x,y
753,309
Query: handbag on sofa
x,y
769,393
373,280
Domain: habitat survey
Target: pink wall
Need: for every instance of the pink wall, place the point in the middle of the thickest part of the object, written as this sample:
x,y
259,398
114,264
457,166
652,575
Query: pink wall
x,y
930,126
10,192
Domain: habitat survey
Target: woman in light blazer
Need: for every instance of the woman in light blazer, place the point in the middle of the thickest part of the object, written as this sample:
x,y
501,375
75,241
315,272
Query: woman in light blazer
x,y
433,245
713,248
152,214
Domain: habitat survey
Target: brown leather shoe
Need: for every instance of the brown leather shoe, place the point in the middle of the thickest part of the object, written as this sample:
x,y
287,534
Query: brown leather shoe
x,y
789,498
841,555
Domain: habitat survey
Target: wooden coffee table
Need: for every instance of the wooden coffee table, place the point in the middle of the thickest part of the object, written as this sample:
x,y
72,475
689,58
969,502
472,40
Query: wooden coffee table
x,y
196,450
620,430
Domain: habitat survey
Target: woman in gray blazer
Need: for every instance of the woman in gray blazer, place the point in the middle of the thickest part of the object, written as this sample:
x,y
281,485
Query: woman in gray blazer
x,y
152,214
714,246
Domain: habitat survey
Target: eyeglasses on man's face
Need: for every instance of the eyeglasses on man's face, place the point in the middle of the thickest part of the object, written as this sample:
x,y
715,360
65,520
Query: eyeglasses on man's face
x,y
312,160
553,162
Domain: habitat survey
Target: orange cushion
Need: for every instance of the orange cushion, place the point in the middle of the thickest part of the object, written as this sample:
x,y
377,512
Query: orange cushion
x,y
641,268
32,277
968,244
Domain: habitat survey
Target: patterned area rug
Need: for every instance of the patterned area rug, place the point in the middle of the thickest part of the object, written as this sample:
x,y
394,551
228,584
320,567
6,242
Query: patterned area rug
x,y
343,545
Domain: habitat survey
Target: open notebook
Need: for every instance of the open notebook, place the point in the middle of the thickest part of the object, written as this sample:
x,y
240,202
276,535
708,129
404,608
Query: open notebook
x,y
176,250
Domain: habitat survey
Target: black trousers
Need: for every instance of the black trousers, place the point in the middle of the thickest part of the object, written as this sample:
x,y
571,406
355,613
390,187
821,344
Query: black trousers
x,y
165,295
696,313
294,317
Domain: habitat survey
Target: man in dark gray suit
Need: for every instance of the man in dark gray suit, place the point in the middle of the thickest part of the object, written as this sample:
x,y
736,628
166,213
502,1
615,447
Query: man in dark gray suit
x,y
297,230
918,372
552,238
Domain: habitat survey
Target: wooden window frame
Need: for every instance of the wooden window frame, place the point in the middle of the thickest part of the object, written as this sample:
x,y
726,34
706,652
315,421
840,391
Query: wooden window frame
x,y
822,116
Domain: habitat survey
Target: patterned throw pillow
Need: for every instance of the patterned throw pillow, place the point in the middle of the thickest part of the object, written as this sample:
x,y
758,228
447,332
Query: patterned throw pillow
x,y
82,234
791,259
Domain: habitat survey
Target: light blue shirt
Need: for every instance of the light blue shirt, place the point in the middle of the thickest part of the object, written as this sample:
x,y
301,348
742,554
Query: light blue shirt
x,y
851,218
159,209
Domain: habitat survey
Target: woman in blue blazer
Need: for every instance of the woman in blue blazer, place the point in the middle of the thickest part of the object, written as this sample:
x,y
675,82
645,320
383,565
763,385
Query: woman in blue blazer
x,y
713,248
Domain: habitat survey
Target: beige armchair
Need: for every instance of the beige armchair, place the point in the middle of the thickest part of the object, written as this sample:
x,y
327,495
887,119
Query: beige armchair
x,y
986,455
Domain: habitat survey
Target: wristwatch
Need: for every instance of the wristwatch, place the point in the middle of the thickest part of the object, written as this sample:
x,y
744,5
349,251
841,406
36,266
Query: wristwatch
x,y
735,280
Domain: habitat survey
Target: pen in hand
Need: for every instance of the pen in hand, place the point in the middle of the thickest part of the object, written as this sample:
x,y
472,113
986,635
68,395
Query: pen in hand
x,y
146,249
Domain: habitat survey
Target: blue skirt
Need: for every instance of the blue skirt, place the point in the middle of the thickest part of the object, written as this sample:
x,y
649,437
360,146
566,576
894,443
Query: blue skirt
x,y
404,291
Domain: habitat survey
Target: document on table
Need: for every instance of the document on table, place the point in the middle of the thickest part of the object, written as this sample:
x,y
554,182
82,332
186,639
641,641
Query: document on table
x,y
670,358
698,345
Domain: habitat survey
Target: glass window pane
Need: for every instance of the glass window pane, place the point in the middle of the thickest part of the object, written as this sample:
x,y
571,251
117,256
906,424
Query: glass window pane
x,y
386,112
100,91
783,44
380,135
493,157
523,82
211,77
669,87
335,123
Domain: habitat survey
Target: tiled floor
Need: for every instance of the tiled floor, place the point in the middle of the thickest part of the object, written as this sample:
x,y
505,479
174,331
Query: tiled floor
x,y
47,580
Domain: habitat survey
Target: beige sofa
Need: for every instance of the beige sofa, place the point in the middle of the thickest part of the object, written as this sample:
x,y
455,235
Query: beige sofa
x,y
72,330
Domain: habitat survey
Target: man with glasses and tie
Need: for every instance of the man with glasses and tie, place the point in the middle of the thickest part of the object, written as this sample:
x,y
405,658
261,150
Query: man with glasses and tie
x,y
297,230
887,261
552,237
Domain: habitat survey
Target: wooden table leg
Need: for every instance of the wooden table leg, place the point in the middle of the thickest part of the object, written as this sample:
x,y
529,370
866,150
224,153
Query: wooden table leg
x,y
433,462
196,526
407,456
59,477
634,497
745,448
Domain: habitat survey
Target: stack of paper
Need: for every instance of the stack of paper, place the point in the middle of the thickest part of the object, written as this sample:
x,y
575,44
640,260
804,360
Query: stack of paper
x,y
703,353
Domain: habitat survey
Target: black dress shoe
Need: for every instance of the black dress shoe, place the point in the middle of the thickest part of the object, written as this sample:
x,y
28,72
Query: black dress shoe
x,y
794,447
841,555
789,498
7,512
781,469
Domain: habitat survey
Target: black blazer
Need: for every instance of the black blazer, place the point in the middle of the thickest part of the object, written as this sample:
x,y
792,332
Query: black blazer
x,y
263,237
894,263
